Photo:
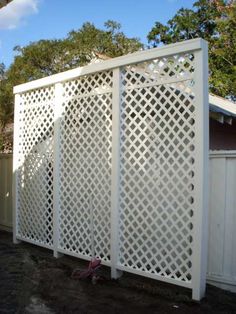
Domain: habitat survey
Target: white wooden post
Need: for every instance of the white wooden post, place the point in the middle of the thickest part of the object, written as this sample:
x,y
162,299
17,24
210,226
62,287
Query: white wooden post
x,y
15,166
56,161
115,273
200,225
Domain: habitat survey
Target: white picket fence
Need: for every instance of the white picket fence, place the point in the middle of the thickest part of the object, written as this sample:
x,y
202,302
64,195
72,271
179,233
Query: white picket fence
x,y
6,191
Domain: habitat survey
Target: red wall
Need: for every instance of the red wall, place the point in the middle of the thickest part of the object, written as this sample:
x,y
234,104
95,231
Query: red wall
x,y
222,136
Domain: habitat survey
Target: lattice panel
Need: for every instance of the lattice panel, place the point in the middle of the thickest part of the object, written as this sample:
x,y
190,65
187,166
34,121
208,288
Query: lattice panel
x,y
150,178
35,180
157,168
162,70
85,165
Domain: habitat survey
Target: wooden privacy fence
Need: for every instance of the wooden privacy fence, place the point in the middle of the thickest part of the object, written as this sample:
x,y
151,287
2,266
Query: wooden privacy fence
x,y
222,218
6,191
125,139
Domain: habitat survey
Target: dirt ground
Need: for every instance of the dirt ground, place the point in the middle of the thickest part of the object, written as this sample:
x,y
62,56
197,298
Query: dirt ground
x,y
33,281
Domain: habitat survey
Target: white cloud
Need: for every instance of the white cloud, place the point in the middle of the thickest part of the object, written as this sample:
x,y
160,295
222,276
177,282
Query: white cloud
x,y
15,12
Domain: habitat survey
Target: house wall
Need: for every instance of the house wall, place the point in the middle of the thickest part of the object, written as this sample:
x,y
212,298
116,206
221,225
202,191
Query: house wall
x,y
222,135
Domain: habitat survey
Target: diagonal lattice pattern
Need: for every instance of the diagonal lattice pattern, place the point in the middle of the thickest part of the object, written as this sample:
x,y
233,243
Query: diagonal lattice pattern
x,y
157,176
88,85
85,165
157,165
161,70
35,180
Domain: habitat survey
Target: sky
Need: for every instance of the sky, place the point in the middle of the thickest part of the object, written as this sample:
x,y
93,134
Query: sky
x,y
25,21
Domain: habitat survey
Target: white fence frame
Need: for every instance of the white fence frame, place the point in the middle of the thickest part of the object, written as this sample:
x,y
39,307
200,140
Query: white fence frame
x,y
199,48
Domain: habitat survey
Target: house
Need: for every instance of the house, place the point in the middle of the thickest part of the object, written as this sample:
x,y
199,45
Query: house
x,y
222,124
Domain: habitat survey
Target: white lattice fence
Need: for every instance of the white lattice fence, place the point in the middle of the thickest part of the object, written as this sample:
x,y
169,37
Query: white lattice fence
x,y
35,162
125,140
157,167
85,165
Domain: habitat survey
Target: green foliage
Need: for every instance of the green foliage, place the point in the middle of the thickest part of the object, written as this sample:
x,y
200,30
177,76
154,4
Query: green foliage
x,y
6,103
47,57
215,21
110,42
2,71
1,142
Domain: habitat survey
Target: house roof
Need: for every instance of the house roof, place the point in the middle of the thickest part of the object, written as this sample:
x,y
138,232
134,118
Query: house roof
x,y
222,105
221,109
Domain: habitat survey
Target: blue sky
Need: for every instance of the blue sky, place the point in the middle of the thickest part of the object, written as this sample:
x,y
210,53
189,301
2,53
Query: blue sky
x,y
23,21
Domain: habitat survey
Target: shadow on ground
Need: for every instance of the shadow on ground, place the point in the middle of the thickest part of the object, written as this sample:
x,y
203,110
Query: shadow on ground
x,y
32,281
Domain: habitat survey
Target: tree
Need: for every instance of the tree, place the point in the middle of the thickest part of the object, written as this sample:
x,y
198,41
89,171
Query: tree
x,y
5,95
6,110
215,21
111,42
47,57
2,71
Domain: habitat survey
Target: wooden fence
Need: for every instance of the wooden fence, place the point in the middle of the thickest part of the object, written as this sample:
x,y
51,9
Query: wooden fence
x,y
222,214
222,220
6,191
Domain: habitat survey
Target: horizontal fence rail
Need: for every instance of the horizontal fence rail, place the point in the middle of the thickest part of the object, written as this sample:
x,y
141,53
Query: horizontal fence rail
x,y
111,160
142,56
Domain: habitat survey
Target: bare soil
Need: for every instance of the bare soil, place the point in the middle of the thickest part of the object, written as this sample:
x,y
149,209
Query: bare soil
x,y
33,281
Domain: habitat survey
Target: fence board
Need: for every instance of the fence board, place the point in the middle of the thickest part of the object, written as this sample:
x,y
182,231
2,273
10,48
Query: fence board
x,y
222,220
6,191
217,203
230,205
